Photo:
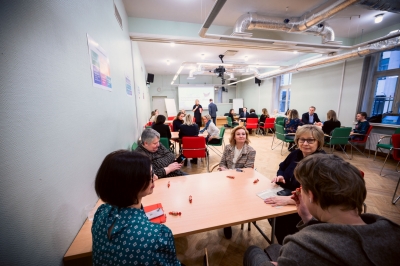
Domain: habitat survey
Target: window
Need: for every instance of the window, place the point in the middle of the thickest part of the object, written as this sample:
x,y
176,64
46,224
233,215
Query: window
x,y
389,60
284,92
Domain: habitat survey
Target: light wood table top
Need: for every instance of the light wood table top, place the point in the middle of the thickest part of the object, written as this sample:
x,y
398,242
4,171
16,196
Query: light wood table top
x,y
218,202
168,122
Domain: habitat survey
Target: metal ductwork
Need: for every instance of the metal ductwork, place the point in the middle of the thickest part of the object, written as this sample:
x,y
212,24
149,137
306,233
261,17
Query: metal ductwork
x,y
383,5
360,52
252,21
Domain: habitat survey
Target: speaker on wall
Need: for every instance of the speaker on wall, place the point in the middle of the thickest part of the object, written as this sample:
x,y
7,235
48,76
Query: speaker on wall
x,y
257,81
150,78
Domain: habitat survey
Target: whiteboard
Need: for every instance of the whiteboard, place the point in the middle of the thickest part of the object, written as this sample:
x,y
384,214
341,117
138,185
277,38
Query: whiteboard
x,y
171,107
187,96
237,103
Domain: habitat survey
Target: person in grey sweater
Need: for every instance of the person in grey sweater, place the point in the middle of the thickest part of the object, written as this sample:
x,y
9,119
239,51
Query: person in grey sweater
x,y
332,231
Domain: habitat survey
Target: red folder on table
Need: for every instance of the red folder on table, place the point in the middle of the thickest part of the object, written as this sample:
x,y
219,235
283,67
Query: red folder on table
x,y
160,219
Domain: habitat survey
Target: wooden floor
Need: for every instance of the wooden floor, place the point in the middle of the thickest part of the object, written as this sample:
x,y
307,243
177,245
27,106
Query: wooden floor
x,y
222,252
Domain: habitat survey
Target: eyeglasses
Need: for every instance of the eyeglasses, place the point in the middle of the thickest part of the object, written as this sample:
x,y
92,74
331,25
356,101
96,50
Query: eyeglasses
x,y
309,141
152,176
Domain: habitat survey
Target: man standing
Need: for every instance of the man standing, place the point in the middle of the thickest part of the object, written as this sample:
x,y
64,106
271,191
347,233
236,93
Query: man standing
x,y
212,110
311,117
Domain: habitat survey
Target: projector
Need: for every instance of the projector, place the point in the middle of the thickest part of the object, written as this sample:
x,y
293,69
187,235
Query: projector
x,y
220,71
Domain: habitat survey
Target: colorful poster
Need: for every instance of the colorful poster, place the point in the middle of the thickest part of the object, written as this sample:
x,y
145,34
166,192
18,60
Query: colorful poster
x,y
128,85
100,65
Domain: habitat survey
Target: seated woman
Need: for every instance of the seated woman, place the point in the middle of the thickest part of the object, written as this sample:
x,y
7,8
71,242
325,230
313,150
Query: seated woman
x,y
361,127
162,128
237,154
330,124
332,229
309,140
212,130
189,129
152,118
123,179
234,123
163,159
263,116
178,121
291,123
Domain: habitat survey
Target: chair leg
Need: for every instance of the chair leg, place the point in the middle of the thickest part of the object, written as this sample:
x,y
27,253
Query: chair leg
x,y
394,194
356,149
387,156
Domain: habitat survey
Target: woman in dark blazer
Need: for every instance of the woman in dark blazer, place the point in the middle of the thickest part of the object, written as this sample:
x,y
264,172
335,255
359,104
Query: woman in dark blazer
x,y
330,124
189,129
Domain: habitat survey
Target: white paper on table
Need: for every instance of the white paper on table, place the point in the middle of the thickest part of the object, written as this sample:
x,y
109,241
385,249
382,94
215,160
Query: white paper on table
x,y
269,192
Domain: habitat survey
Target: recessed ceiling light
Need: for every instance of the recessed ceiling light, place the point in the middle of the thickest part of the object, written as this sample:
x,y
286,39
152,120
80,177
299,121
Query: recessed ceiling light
x,y
378,18
295,52
168,62
202,56
172,44
246,58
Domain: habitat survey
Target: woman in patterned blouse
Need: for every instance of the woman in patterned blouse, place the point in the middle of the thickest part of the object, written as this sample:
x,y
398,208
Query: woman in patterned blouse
x,y
122,233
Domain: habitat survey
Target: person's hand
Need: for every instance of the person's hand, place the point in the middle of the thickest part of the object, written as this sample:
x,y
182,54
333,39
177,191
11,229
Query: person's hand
x,y
302,209
174,166
274,262
278,179
221,168
279,201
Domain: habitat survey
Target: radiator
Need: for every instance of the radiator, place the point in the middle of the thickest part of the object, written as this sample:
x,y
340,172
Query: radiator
x,y
373,140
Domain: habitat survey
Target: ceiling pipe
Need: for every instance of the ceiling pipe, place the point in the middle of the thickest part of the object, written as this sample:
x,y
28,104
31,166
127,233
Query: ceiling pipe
x,y
360,52
220,3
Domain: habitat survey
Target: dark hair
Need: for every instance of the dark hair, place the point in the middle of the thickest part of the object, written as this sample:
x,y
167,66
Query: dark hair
x,y
332,181
121,176
252,110
160,119
364,114
230,111
294,114
178,115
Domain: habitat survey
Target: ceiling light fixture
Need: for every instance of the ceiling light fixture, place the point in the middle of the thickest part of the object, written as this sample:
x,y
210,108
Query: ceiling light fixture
x,y
177,74
378,18
168,63
172,44
202,56
246,58
295,52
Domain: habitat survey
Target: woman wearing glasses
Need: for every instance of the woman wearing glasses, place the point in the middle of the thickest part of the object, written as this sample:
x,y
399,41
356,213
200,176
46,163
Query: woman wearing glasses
x,y
121,231
309,140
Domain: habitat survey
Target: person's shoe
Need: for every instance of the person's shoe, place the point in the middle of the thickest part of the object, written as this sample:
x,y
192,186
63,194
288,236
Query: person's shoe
x,y
194,161
228,232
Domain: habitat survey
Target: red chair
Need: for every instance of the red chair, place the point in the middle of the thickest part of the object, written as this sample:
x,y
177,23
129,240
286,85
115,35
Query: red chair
x,y
252,123
269,124
171,117
195,147
362,142
396,156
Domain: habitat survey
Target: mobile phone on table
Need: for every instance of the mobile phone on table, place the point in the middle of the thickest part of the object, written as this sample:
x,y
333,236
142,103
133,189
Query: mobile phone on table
x,y
239,170
154,213
180,159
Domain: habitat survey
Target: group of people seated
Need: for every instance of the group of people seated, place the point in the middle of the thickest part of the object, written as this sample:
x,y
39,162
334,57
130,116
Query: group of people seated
x,y
329,200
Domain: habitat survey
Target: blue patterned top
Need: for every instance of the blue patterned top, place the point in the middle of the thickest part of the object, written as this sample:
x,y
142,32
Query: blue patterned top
x,y
134,239
291,125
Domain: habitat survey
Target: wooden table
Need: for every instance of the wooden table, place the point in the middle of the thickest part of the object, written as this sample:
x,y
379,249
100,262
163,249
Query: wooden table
x,y
168,122
218,202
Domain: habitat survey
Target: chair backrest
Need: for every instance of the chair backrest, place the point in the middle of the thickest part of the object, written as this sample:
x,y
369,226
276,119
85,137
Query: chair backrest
x,y
397,131
165,142
229,121
279,120
269,123
221,132
171,127
366,136
134,146
194,147
396,146
251,123
280,132
340,135
171,117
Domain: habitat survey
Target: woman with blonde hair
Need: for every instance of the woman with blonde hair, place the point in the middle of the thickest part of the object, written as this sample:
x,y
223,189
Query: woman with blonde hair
x,y
212,130
331,122
189,129
197,110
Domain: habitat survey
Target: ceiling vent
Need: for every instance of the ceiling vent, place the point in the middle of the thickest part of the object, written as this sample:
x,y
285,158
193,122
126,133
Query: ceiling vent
x,y
230,52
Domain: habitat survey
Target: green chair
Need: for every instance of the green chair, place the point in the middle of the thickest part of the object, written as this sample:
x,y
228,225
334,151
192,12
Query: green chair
x,y
230,122
388,146
281,135
221,142
165,142
340,136
134,146
279,120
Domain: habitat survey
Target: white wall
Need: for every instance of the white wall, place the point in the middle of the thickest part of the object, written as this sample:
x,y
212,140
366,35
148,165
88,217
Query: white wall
x,y
56,128
256,97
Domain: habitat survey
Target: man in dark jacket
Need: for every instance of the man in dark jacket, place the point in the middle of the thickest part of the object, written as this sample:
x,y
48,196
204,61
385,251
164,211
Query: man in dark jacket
x,y
311,117
212,110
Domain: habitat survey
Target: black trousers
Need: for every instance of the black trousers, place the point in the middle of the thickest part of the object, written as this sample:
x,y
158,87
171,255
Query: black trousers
x,y
285,225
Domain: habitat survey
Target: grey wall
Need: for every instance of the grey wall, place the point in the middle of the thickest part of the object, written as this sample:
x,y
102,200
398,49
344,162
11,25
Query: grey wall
x,y
256,97
56,128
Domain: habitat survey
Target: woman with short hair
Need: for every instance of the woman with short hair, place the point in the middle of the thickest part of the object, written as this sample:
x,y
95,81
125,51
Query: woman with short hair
x,y
123,179
333,230
162,128
189,129
309,140
212,130
197,110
